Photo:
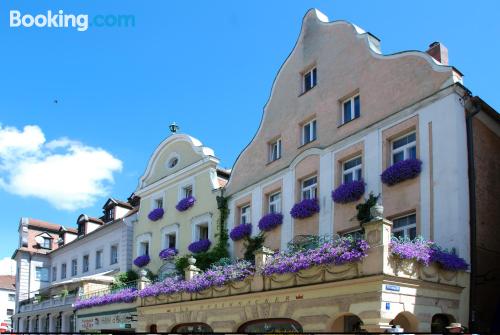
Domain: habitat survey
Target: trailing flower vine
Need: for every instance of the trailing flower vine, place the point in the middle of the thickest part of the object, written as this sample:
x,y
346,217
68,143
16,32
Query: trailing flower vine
x,y
156,214
349,191
185,204
270,221
401,171
305,209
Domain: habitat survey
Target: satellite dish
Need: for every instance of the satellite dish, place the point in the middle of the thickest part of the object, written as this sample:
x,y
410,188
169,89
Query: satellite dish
x,y
39,240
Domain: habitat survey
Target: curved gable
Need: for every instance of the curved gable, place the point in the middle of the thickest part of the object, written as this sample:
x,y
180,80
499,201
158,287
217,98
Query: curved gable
x,y
348,61
186,150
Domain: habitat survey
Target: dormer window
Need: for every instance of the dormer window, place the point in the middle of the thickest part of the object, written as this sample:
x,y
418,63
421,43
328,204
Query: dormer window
x,y
47,242
81,229
44,242
110,214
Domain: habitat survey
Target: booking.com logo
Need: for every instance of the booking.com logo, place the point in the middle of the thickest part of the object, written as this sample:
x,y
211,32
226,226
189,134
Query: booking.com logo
x,y
59,19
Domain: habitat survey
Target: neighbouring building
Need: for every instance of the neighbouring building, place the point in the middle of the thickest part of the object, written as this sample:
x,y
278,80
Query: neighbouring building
x,y
57,264
7,299
178,200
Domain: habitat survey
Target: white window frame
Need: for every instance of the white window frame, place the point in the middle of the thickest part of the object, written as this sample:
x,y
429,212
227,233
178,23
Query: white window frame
x,y
404,148
406,228
311,189
111,260
275,150
245,214
146,237
99,252
205,219
313,132
313,79
170,230
276,203
74,267
190,182
353,110
353,170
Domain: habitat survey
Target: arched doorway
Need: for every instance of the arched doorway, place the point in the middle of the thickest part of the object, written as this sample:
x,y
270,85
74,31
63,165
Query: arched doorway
x,y
440,321
271,326
347,323
194,327
153,329
407,321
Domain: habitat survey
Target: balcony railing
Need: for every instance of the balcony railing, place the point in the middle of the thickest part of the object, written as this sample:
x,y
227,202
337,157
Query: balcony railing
x,y
36,304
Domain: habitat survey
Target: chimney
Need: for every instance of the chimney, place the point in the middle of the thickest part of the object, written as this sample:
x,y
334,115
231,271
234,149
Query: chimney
x,y
439,52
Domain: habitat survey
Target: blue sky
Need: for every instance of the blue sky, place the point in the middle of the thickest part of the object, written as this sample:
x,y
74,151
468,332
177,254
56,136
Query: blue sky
x,y
208,65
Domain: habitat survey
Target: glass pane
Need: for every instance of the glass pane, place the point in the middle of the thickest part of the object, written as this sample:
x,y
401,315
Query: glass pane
x,y
307,133
398,157
307,81
413,233
315,77
398,233
358,174
347,177
412,152
412,219
399,223
347,111
411,138
309,182
313,130
306,194
357,107
399,143
352,163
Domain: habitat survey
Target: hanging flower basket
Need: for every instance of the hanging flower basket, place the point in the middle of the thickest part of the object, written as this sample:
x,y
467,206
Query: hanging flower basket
x,y
270,221
305,209
142,261
168,254
156,214
349,192
185,204
240,231
401,171
199,246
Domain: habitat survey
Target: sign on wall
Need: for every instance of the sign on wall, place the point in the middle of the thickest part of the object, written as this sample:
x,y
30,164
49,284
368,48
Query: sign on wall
x,y
124,319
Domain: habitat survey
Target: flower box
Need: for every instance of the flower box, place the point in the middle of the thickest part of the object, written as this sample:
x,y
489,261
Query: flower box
x,y
241,231
349,192
168,254
199,246
156,214
401,171
185,204
305,209
270,221
142,261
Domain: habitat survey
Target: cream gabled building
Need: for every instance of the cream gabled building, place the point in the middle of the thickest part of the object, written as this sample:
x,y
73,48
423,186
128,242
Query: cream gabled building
x,y
179,167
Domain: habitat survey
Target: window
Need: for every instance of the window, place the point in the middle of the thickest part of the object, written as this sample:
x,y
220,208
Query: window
x,y
12,297
173,162
144,248
405,226
170,240
310,79
74,267
47,243
114,254
81,229
310,188
98,259
85,263
10,312
245,215
110,213
352,170
187,191
275,150
202,231
54,273
275,203
63,271
309,132
404,148
351,109
158,203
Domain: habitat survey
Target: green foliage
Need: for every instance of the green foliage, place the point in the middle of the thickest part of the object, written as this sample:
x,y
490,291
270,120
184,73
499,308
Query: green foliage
x,y
181,263
252,244
364,215
122,279
64,293
223,262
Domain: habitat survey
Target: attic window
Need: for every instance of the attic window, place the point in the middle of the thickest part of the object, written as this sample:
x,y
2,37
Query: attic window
x,y
173,162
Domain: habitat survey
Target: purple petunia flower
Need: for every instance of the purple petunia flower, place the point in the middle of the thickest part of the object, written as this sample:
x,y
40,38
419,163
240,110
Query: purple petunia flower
x,y
349,191
305,208
142,261
168,253
240,231
401,171
156,214
199,246
124,296
185,204
270,221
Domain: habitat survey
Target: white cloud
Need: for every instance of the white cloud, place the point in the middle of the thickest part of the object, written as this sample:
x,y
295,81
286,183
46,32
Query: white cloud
x,y
7,267
67,174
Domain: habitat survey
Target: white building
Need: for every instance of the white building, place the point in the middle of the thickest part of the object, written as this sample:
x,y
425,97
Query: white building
x,y
7,300
56,264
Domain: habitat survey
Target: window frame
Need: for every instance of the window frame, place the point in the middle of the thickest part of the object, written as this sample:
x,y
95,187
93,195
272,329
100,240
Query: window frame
x,y
158,202
47,240
85,264
199,227
352,112
313,188
275,147
312,82
74,267
144,250
313,131
11,297
185,189
64,269
98,259
353,170
39,274
246,216
276,202
405,148
54,273
407,227
113,256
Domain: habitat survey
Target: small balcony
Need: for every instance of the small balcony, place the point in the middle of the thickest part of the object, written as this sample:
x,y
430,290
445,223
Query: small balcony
x,y
40,302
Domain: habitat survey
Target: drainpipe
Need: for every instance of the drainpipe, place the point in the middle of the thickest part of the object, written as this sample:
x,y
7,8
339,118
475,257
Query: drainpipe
x,y
471,110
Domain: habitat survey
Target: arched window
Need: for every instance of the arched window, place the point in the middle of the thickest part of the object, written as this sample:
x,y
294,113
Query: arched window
x,y
440,321
271,326
153,329
194,327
